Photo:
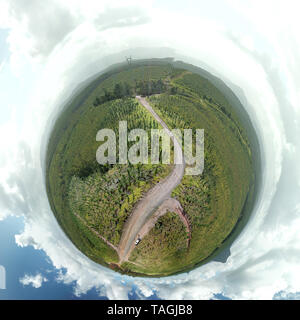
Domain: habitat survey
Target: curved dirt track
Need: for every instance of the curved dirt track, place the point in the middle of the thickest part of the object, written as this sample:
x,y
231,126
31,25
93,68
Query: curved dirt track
x,y
153,198
168,205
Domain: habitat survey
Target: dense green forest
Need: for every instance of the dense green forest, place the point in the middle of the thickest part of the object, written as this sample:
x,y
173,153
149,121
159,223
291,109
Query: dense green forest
x,y
124,89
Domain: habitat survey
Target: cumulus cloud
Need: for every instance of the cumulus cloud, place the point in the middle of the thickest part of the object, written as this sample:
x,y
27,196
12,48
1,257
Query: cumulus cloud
x,y
35,281
45,23
264,259
37,27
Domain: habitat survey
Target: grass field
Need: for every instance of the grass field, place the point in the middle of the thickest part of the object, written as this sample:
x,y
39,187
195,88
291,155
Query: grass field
x,y
104,196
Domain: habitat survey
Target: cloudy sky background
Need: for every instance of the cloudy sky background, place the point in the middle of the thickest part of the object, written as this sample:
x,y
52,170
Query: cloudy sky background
x,y
48,47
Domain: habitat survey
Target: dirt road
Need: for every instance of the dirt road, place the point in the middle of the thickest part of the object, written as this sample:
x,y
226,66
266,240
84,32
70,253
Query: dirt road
x,y
153,198
168,205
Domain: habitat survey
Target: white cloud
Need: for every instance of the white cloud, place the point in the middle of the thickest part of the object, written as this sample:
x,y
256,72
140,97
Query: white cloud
x,y
35,281
264,259
36,28
2,66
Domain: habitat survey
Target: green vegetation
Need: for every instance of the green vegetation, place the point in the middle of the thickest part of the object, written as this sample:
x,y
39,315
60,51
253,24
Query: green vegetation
x,y
104,201
214,200
90,200
102,195
91,245
120,90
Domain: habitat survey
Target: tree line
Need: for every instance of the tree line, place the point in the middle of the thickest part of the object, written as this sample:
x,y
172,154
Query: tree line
x,y
121,90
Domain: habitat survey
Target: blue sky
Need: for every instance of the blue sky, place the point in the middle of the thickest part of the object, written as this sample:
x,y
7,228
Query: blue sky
x,y
20,261
47,50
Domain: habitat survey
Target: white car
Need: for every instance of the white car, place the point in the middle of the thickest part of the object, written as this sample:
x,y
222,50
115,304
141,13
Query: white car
x,y
138,240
